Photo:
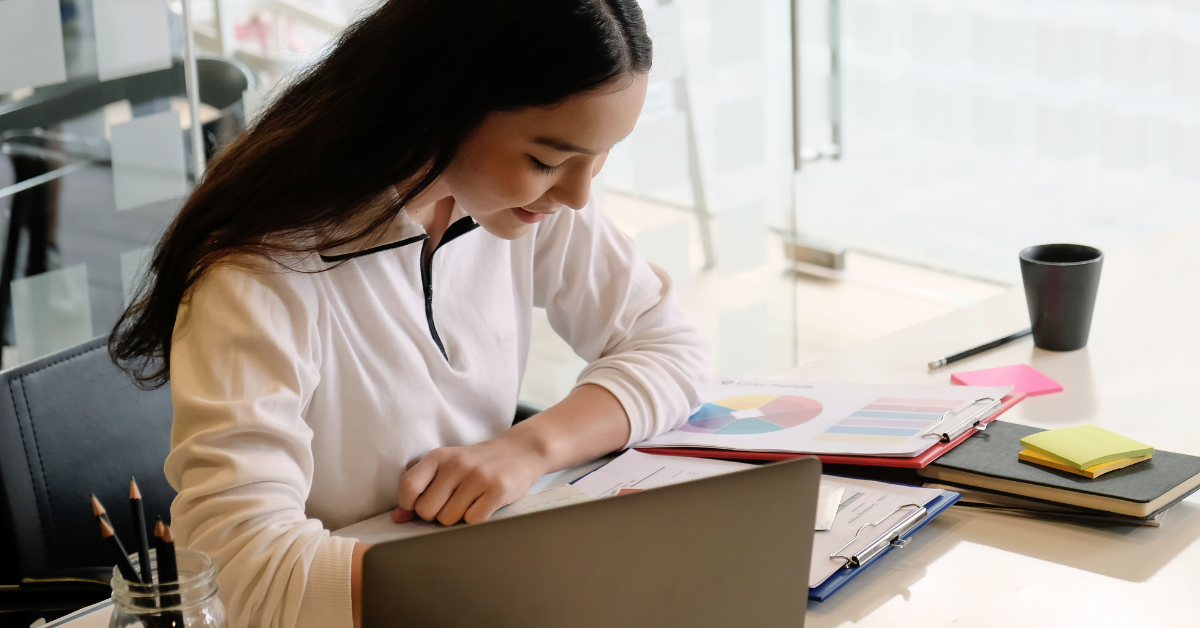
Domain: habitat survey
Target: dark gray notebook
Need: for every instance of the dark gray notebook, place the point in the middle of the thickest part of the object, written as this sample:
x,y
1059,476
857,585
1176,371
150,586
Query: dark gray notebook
x,y
993,453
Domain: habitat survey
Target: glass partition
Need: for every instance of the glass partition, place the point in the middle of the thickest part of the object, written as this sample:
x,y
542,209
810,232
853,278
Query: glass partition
x,y
704,184
98,145
974,129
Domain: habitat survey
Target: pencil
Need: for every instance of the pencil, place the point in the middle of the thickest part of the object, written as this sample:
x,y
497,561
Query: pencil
x,y
139,522
123,565
165,551
168,573
99,511
962,355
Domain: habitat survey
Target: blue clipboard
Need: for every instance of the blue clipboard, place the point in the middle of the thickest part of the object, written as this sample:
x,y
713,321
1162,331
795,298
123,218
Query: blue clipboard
x,y
835,582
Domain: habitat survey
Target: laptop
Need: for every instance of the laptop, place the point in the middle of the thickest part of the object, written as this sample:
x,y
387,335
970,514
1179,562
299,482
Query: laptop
x,y
732,550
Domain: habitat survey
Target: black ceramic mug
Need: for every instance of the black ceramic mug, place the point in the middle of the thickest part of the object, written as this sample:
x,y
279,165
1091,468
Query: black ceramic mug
x,y
1060,289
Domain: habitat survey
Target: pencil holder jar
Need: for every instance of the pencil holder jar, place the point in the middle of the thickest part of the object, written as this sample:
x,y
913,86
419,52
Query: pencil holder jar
x,y
190,601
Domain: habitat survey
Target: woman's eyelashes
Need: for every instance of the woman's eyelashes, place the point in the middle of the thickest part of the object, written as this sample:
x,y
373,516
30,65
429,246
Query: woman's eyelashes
x,y
541,167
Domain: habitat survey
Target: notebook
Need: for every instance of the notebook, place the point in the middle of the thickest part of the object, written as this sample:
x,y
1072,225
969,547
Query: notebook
x,y
989,460
1037,509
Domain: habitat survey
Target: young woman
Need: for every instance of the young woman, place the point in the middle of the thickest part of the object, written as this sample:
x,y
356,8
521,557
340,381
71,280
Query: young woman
x,y
343,305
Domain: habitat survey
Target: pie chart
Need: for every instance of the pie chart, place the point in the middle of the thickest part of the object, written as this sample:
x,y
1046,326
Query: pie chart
x,y
752,414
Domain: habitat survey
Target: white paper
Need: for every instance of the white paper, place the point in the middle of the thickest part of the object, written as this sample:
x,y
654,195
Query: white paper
x,y
630,472
823,418
148,160
546,500
863,502
636,471
380,529
51,311
828,501
131,37
94,616
31,44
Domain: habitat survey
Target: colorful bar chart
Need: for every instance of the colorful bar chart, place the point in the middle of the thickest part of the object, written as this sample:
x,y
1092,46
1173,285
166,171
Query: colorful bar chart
x,y
889,420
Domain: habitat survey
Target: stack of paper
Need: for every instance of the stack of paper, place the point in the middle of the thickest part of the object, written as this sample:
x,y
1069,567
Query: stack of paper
x,y
1087,450
851,516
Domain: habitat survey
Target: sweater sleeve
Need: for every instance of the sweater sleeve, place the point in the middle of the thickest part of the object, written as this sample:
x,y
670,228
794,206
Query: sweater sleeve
x,y
617,311
243,367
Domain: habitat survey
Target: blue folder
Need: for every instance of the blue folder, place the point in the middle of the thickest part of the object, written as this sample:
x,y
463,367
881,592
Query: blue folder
x,y
842,576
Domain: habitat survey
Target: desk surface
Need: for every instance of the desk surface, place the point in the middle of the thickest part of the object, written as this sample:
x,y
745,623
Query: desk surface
x,y
1138,376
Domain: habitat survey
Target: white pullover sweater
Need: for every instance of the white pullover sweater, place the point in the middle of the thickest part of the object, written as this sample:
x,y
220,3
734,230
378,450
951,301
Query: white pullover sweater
x,y
300,398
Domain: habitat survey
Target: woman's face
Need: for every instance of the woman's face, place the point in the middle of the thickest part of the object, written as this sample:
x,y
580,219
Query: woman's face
x,y
518,167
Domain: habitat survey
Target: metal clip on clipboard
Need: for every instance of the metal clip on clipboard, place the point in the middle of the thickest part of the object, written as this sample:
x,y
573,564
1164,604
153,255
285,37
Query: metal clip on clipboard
x,y
972,421
889,538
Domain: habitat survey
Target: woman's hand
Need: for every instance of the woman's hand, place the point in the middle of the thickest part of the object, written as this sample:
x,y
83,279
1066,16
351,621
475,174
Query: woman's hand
x,y
470,483
453,484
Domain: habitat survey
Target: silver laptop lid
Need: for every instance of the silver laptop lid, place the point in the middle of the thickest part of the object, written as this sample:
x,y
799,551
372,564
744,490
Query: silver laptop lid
x,y
732,550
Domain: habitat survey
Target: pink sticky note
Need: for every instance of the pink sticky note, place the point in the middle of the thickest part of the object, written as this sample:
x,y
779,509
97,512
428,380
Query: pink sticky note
x,y
1026,379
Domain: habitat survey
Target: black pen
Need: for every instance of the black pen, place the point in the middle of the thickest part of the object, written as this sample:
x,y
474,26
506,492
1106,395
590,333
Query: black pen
x,y
937,364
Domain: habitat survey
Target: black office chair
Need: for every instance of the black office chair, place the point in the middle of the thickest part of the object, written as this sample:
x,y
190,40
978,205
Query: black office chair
x,y
72,424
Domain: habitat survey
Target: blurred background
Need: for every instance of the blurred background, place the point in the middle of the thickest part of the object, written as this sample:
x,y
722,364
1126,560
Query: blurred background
x,y
812,173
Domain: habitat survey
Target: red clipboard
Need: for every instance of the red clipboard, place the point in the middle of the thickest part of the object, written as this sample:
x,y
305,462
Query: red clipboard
x,y
915,462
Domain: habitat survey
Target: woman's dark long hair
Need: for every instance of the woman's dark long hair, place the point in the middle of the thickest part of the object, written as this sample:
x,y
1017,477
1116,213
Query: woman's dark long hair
x,y
388,105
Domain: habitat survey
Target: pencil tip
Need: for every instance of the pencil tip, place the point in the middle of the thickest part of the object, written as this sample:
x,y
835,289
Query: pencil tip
x,y
134,493
158,528
106,530
97,507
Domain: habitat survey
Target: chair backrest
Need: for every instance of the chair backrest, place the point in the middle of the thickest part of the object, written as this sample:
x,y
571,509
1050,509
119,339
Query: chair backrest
x,y
71,424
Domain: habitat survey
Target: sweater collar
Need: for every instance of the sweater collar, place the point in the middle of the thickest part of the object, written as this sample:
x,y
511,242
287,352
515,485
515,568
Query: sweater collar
x,y
400,232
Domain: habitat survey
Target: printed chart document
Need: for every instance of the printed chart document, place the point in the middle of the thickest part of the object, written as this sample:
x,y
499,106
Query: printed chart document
x,y
630,472
381,528
635,471
863,502
826,418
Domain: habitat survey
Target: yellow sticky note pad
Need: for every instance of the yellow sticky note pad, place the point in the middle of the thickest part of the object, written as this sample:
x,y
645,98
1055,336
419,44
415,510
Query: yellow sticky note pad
x,y
1029,455
1085,446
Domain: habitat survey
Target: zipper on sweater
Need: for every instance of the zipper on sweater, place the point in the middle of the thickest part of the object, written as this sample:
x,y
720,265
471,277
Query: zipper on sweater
x,y
427,284
463,225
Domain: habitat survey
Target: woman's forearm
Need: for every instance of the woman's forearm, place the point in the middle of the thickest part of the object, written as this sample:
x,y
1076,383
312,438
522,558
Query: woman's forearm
x,y
589,423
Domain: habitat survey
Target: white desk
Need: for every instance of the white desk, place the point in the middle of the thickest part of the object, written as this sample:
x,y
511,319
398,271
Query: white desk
x,y
1139,376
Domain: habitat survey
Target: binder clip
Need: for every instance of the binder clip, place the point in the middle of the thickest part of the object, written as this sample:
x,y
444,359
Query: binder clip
x,y
975,420
891,538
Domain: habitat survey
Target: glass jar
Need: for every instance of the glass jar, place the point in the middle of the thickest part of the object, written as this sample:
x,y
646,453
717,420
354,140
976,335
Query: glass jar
x,y
190,602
